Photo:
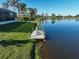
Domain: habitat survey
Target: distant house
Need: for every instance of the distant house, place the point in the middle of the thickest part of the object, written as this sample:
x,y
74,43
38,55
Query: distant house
x,y
6,15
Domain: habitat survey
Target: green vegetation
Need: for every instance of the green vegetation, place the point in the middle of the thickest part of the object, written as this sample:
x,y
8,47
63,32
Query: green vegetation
x,y
20,30
15,41
16,52
37,51
24,12
38,22
60,17
17,27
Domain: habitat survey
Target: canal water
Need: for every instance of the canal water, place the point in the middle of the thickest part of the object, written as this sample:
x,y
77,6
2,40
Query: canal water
x,y
62,37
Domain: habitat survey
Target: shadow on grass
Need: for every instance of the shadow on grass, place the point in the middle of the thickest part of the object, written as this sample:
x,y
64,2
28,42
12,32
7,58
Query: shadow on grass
x,y
5,43
33,51
18,27
19,43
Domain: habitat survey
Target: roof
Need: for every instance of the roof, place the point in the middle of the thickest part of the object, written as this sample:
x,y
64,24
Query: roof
x,y
6,10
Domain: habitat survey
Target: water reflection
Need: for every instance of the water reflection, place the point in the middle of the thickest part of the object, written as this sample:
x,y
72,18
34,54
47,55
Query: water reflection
x,y
63,38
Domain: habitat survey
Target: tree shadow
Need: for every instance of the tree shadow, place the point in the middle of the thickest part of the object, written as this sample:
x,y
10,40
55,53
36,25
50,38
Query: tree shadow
x,y
5,43
18,27
32,54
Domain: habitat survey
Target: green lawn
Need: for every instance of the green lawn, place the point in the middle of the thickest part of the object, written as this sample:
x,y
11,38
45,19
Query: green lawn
x,y
16,31
17,27
15,41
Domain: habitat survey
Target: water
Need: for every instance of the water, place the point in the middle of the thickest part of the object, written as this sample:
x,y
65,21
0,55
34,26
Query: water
x,y
62,38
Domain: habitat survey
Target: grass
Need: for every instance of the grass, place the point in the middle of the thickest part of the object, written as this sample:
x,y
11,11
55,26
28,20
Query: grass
x,y
37,52
38,22
16,52
18,27
15,41
16,31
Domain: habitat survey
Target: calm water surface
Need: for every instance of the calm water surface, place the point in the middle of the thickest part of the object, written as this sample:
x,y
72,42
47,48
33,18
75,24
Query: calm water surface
x,y
62,38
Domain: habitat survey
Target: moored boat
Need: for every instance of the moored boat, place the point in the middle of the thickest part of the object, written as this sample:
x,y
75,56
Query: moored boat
x,y
38,35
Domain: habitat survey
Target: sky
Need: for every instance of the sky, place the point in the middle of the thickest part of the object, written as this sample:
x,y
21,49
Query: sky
x,y
63,7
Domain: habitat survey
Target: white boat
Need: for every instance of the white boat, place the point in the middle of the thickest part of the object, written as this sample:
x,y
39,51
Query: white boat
x,y
37,34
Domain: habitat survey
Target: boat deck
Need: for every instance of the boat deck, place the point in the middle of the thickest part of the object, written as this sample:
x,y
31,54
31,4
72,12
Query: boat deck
x,y
37,34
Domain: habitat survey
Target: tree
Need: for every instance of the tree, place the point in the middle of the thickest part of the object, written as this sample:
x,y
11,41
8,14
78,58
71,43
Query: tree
x,y
10,3
5,5
32,13
42,14
13,3
16,4
53,16
59,16
35,12
21,8
46,15
77,15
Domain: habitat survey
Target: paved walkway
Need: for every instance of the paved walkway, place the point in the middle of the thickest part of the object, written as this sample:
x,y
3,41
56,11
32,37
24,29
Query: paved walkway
x,y
6,22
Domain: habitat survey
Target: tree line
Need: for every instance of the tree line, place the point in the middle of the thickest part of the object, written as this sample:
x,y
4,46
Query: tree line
x,y
23,12
27,13
53,16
